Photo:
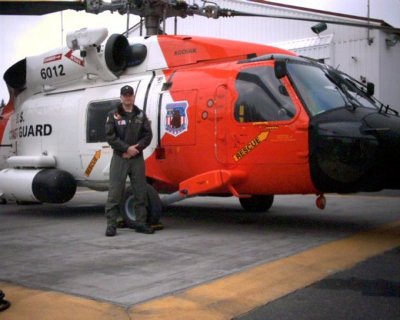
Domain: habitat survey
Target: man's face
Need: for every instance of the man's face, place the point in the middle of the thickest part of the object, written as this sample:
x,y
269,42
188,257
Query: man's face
x,y
128,99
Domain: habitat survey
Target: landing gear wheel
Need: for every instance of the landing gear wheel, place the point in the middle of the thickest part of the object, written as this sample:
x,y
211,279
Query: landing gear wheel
x,y
153,206
257,203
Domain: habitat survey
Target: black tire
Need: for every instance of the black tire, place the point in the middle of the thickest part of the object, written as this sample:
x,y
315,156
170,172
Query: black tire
x,y
153,206
257,203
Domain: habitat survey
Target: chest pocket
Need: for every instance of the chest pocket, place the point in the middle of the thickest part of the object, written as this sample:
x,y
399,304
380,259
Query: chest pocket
x,y
132,129
138,121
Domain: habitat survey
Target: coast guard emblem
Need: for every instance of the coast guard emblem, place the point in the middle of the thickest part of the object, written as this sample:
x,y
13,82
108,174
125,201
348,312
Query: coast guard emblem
x,y
176,119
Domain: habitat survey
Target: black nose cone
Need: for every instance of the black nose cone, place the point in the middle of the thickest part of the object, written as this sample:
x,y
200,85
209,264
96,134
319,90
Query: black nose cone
x,y
355,150
386,129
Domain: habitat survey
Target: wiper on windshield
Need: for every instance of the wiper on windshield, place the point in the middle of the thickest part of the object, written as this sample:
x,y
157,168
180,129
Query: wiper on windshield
x,y
387,108
382,108
343,91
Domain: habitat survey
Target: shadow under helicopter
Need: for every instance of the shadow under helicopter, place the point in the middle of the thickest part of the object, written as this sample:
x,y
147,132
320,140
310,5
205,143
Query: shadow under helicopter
x,y
288,217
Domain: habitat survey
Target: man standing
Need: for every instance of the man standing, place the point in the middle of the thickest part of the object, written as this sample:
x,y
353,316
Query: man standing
x,y
128,132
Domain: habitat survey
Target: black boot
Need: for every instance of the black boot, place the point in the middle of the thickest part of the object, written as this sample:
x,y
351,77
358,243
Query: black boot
x,y
121,224
157,226
144,229
4,304
111,231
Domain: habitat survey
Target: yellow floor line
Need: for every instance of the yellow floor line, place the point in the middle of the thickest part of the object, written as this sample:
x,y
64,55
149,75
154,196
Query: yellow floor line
x,y
239,293
30,304
220,299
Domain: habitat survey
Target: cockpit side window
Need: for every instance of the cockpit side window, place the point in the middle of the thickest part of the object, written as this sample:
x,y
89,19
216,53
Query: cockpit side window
x,y
262,97
96,119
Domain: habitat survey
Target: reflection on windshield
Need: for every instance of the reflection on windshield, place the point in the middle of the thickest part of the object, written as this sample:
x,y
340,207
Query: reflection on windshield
x,y
327,89
353,87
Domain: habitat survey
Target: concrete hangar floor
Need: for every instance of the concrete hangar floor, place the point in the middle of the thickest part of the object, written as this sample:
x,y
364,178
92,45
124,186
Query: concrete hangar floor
x,y
212,261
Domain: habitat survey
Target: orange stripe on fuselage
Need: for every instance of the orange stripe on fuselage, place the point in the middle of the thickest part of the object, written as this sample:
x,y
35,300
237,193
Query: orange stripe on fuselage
x,y
7,112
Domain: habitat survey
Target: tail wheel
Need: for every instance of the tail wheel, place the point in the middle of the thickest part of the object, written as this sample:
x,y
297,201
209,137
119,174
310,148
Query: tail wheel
x,y
257,203
153,206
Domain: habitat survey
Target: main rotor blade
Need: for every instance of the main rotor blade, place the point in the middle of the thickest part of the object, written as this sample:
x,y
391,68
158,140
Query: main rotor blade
x,y
233,13
26,7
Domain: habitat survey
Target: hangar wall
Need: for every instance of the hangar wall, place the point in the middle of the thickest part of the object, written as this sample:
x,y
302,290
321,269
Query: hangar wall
x,y
345,47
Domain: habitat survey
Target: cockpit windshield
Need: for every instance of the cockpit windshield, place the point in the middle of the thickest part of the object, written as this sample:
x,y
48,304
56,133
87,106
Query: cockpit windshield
x,y
323,88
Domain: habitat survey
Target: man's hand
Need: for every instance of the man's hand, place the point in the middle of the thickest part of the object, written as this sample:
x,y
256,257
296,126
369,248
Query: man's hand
x,y
133,151
125,155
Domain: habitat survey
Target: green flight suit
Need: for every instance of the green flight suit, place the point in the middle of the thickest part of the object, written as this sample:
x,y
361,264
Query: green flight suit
x,y
123,130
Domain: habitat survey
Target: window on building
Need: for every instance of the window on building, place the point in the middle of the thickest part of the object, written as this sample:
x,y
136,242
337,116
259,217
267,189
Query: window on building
x,y
262,97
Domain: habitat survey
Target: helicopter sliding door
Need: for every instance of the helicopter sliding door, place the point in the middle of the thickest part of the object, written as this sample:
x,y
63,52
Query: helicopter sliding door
x,y
263,129
95,153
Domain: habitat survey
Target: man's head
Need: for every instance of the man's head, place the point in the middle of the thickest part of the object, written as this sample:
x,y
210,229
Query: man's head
x,y
127,95
126,91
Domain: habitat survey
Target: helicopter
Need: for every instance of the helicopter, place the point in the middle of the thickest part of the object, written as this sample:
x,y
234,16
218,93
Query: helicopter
x,y
229,118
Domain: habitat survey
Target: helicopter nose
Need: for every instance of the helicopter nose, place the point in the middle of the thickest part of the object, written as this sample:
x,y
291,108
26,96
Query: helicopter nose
x,y
355,150
386,129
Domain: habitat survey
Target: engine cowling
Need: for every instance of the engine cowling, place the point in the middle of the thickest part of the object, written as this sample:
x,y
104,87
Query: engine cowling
x,y
63,66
